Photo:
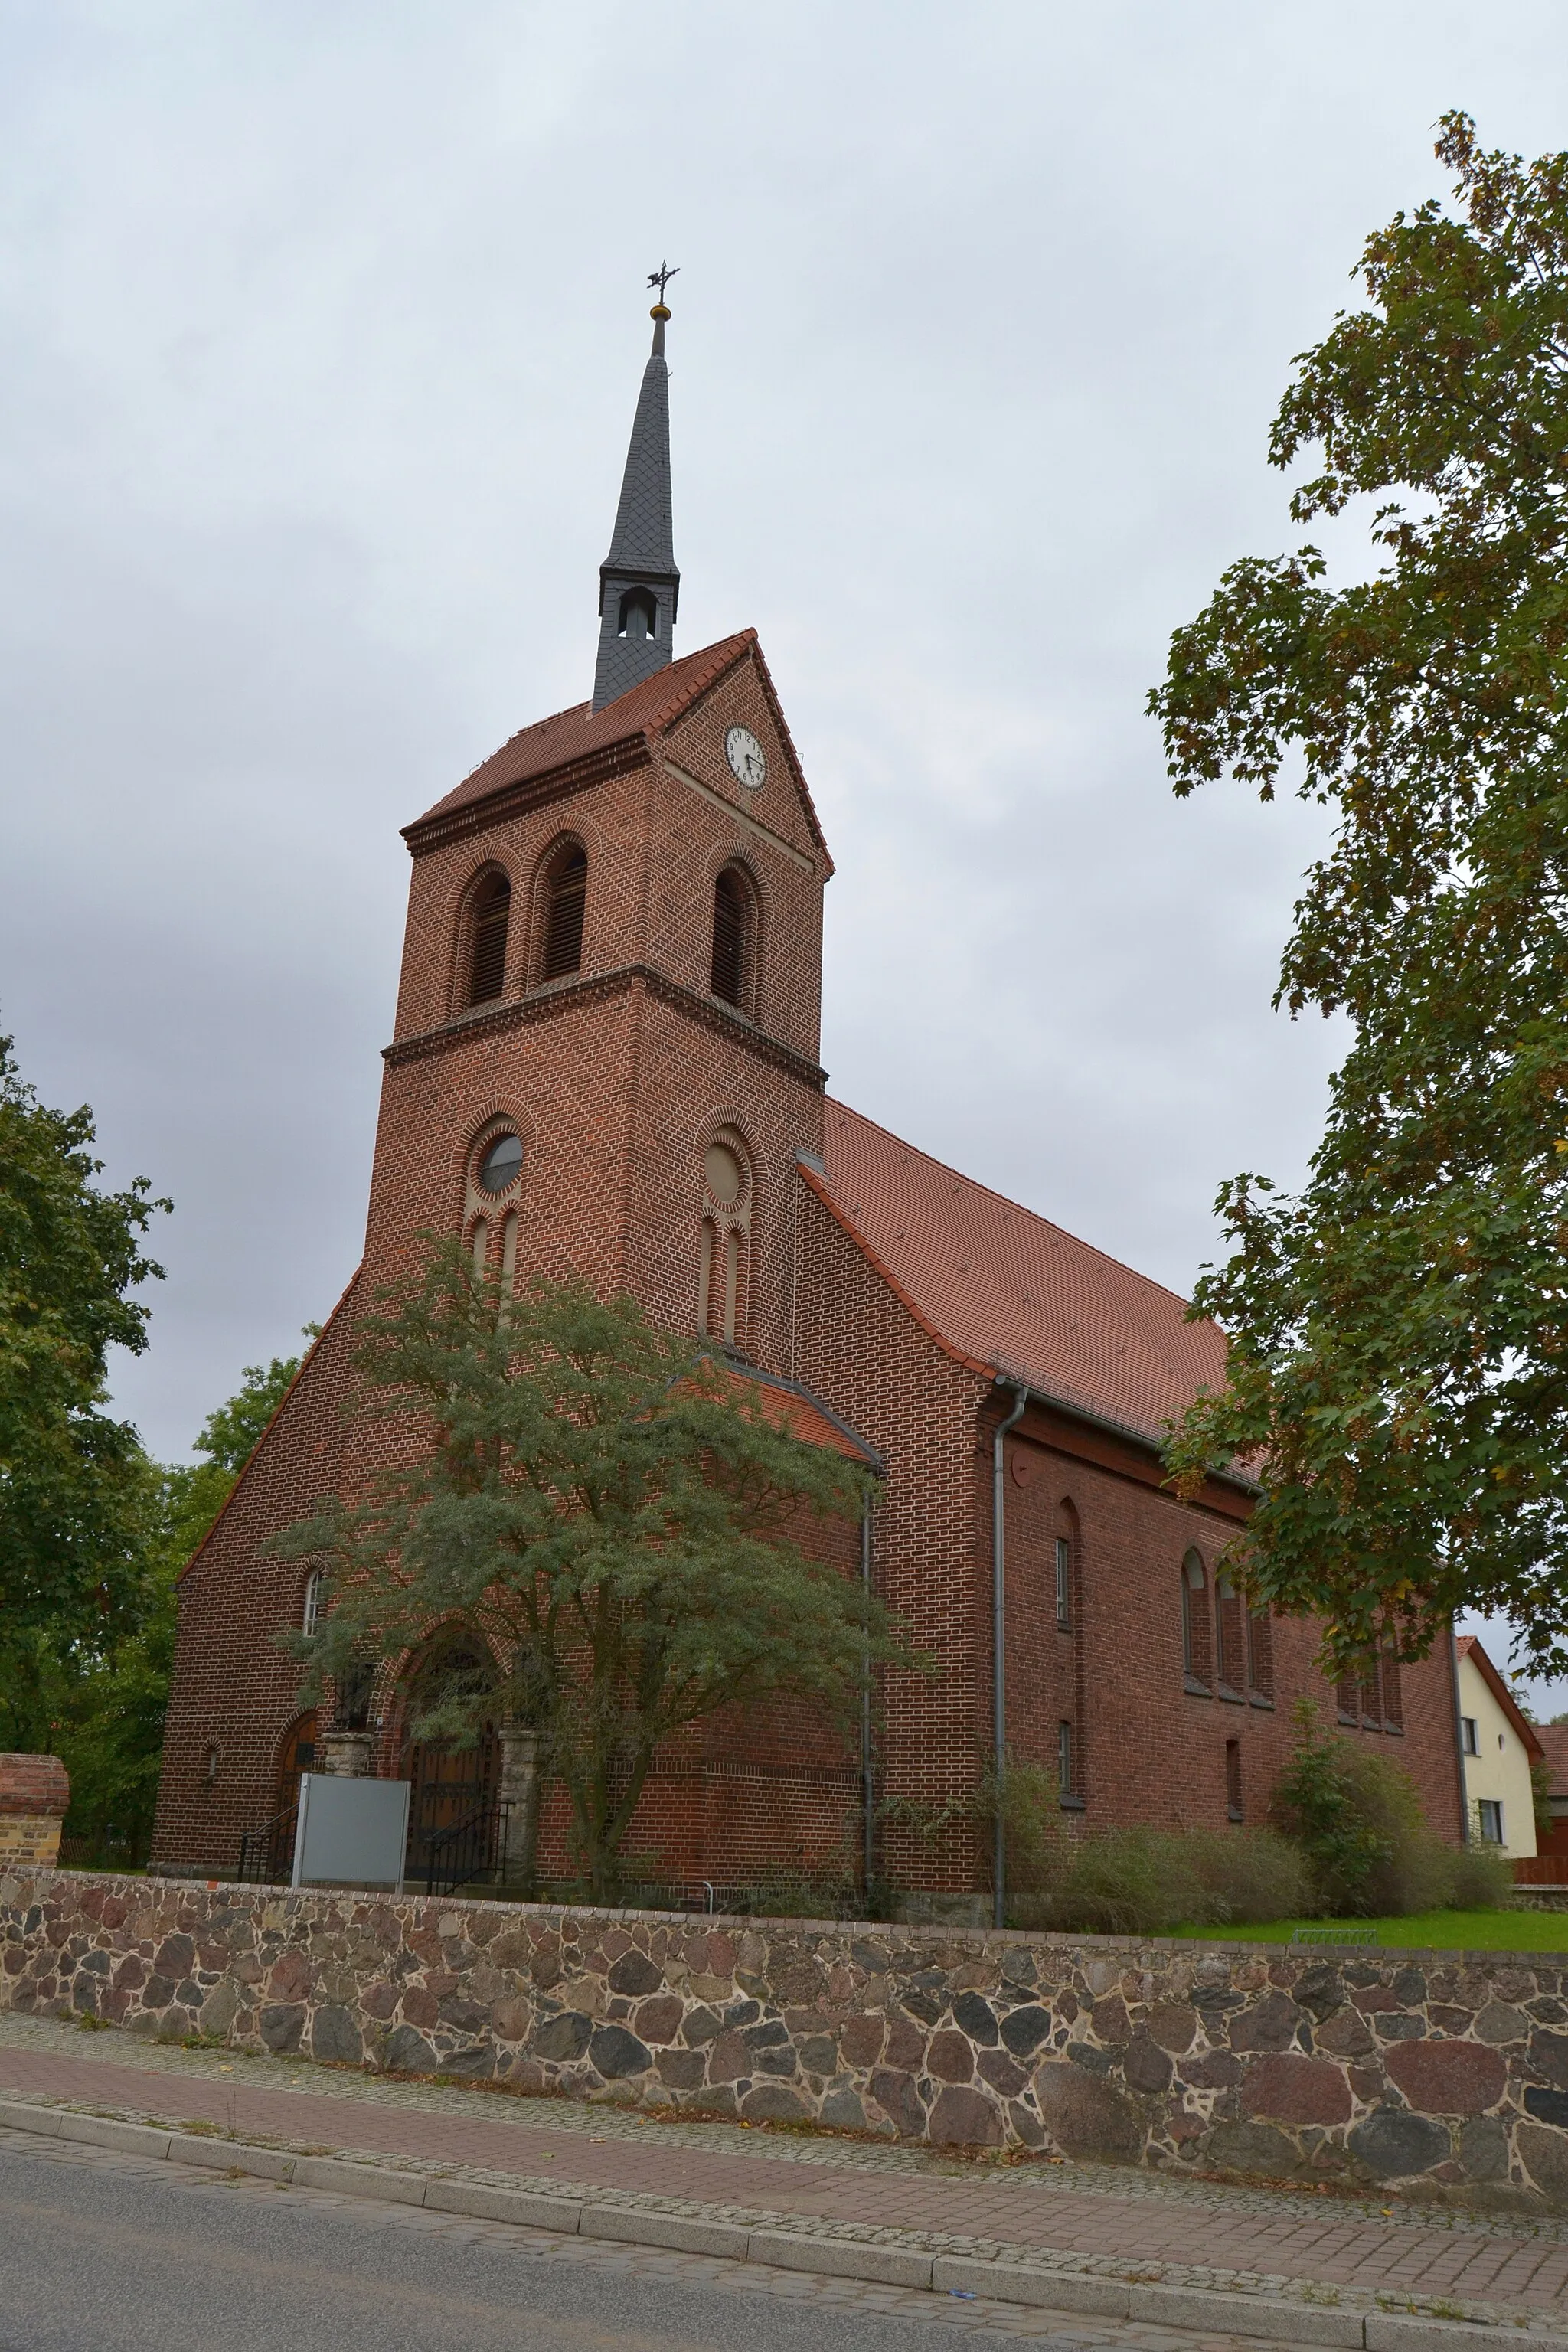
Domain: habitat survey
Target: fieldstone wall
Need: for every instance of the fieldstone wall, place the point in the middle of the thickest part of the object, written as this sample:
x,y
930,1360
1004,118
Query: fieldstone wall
x,y
1440,2073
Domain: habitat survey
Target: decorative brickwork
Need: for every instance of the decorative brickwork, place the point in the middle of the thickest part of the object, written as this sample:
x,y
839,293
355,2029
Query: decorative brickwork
x,y
1443,2073
35,1797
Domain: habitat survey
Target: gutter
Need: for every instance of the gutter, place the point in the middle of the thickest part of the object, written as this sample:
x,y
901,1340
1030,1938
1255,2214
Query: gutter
x,y
999,1638
868,1788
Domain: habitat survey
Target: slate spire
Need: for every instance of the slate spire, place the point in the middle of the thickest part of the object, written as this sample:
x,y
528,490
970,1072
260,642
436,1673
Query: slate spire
x,y
639,586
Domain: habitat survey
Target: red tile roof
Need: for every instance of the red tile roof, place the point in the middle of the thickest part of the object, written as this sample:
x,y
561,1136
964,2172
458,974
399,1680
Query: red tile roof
x,y
645,712
1553,1738
789,1404
1011,1294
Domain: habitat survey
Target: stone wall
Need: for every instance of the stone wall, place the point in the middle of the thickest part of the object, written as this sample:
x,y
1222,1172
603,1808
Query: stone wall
x,y
35,1797
1441,2074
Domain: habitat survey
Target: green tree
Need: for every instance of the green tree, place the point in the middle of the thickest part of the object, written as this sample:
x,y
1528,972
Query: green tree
x,y
1398,1332
99,1706
77,1494
609,1511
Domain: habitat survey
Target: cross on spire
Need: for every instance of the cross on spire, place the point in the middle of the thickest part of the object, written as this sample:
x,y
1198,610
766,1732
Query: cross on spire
x,y
661,278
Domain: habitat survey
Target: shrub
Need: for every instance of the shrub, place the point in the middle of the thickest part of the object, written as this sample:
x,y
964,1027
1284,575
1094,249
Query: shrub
x,y
1248,1875
1356,1817
1477,1881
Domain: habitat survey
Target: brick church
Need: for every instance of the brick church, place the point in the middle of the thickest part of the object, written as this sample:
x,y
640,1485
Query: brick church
x,y
605,1062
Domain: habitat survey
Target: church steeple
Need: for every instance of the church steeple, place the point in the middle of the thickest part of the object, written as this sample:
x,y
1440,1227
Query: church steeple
x,y
639,586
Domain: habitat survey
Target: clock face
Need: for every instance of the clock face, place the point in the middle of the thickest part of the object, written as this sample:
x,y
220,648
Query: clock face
x,y
744,753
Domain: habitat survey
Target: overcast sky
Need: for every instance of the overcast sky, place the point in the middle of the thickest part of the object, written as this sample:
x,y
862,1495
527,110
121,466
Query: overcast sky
x,y
321,327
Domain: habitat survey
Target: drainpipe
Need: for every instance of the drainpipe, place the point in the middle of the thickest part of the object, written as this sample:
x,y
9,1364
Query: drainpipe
x,y
1459,1737
999,1639
867,1794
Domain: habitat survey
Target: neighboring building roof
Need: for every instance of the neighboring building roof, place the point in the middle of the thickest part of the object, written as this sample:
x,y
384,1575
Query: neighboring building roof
x,y
1553,1738
582,733
1009,1293
1527,1733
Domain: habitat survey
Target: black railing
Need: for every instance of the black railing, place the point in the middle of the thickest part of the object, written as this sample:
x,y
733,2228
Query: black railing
x,y
474,1847
266,1853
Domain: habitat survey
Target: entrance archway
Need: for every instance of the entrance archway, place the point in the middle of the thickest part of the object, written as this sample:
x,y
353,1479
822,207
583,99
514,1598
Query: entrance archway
x,y
296,1754
448,1784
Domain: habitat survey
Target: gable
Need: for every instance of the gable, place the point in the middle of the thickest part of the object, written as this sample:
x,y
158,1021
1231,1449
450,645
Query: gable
x,y
693,746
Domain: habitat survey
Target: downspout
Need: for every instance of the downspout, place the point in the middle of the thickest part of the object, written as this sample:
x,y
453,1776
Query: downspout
x,y
999,1641
1458,1737
868,1792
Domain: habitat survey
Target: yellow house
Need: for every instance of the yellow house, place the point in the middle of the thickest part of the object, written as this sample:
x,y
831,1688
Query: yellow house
x,y
1497,1749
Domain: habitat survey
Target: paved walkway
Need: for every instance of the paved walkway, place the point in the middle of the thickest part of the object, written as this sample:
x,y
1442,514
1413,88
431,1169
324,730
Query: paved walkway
x,y
1085,2217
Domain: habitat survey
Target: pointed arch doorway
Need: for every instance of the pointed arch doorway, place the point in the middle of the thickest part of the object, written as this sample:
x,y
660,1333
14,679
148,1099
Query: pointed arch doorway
x,y
449,1785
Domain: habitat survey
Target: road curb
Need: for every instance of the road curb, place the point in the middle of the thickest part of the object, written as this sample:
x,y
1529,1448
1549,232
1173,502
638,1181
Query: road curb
x,y
877,2261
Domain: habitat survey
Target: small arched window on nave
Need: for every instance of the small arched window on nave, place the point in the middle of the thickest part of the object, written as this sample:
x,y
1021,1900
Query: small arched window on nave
x,y
565,902
487,951
1197,1653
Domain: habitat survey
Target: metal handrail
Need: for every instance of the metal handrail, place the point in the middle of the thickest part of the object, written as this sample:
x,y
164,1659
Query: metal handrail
x,y
453,1856
266,1853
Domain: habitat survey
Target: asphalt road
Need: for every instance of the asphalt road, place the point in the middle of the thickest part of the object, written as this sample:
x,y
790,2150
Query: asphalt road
x,y
101,2252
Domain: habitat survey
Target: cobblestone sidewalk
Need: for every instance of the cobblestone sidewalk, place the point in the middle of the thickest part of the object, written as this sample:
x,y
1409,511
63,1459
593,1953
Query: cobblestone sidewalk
x,y
1319,2254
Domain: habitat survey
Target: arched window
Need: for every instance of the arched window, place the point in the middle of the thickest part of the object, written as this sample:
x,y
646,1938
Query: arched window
x,y
311,1609
1393,1701
565,900
732,939
487,954
1260,1651
723,1267
1195,1652
1231,1625
480,1242
639,615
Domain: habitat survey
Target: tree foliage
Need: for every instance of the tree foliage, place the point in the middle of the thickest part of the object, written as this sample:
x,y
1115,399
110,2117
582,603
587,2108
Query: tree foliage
x,y
610,1512
98,1701
1399,1330
77,1497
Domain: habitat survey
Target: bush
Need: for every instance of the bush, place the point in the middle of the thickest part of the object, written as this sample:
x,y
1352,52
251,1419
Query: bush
x,y
1134,1882
1249,1874
1477,1881
1356,1817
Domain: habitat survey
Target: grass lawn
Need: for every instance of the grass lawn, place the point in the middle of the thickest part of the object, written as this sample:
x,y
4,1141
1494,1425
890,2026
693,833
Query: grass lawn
x,y
1446,1931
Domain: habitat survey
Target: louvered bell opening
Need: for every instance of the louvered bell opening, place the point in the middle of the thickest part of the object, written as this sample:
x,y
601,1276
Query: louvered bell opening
x,y
563,926
488,974
728,938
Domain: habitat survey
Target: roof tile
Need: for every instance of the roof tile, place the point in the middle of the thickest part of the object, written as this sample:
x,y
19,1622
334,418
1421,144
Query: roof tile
x,y
1013,1294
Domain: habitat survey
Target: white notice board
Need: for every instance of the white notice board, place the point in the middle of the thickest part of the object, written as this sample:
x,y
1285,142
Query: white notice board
x,y
350,1833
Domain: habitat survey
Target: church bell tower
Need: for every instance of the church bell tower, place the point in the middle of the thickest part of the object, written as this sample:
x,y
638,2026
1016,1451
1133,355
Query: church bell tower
x,y
606,1056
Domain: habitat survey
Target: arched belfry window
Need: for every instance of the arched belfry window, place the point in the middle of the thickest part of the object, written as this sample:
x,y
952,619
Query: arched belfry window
x,y
734,938
565,900
639,615
487,954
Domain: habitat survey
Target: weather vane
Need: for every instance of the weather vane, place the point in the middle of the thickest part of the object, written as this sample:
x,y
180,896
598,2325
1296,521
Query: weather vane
x,y
661,277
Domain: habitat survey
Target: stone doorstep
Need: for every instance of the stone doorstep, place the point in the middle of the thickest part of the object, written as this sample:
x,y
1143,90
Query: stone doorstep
x,y
888,2259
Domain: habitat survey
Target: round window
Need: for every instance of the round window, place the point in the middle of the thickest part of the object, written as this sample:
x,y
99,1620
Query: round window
x,y
502,1163
722,1171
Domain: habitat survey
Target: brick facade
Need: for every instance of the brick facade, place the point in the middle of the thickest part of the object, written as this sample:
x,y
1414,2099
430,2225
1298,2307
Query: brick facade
x,y
617,1079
